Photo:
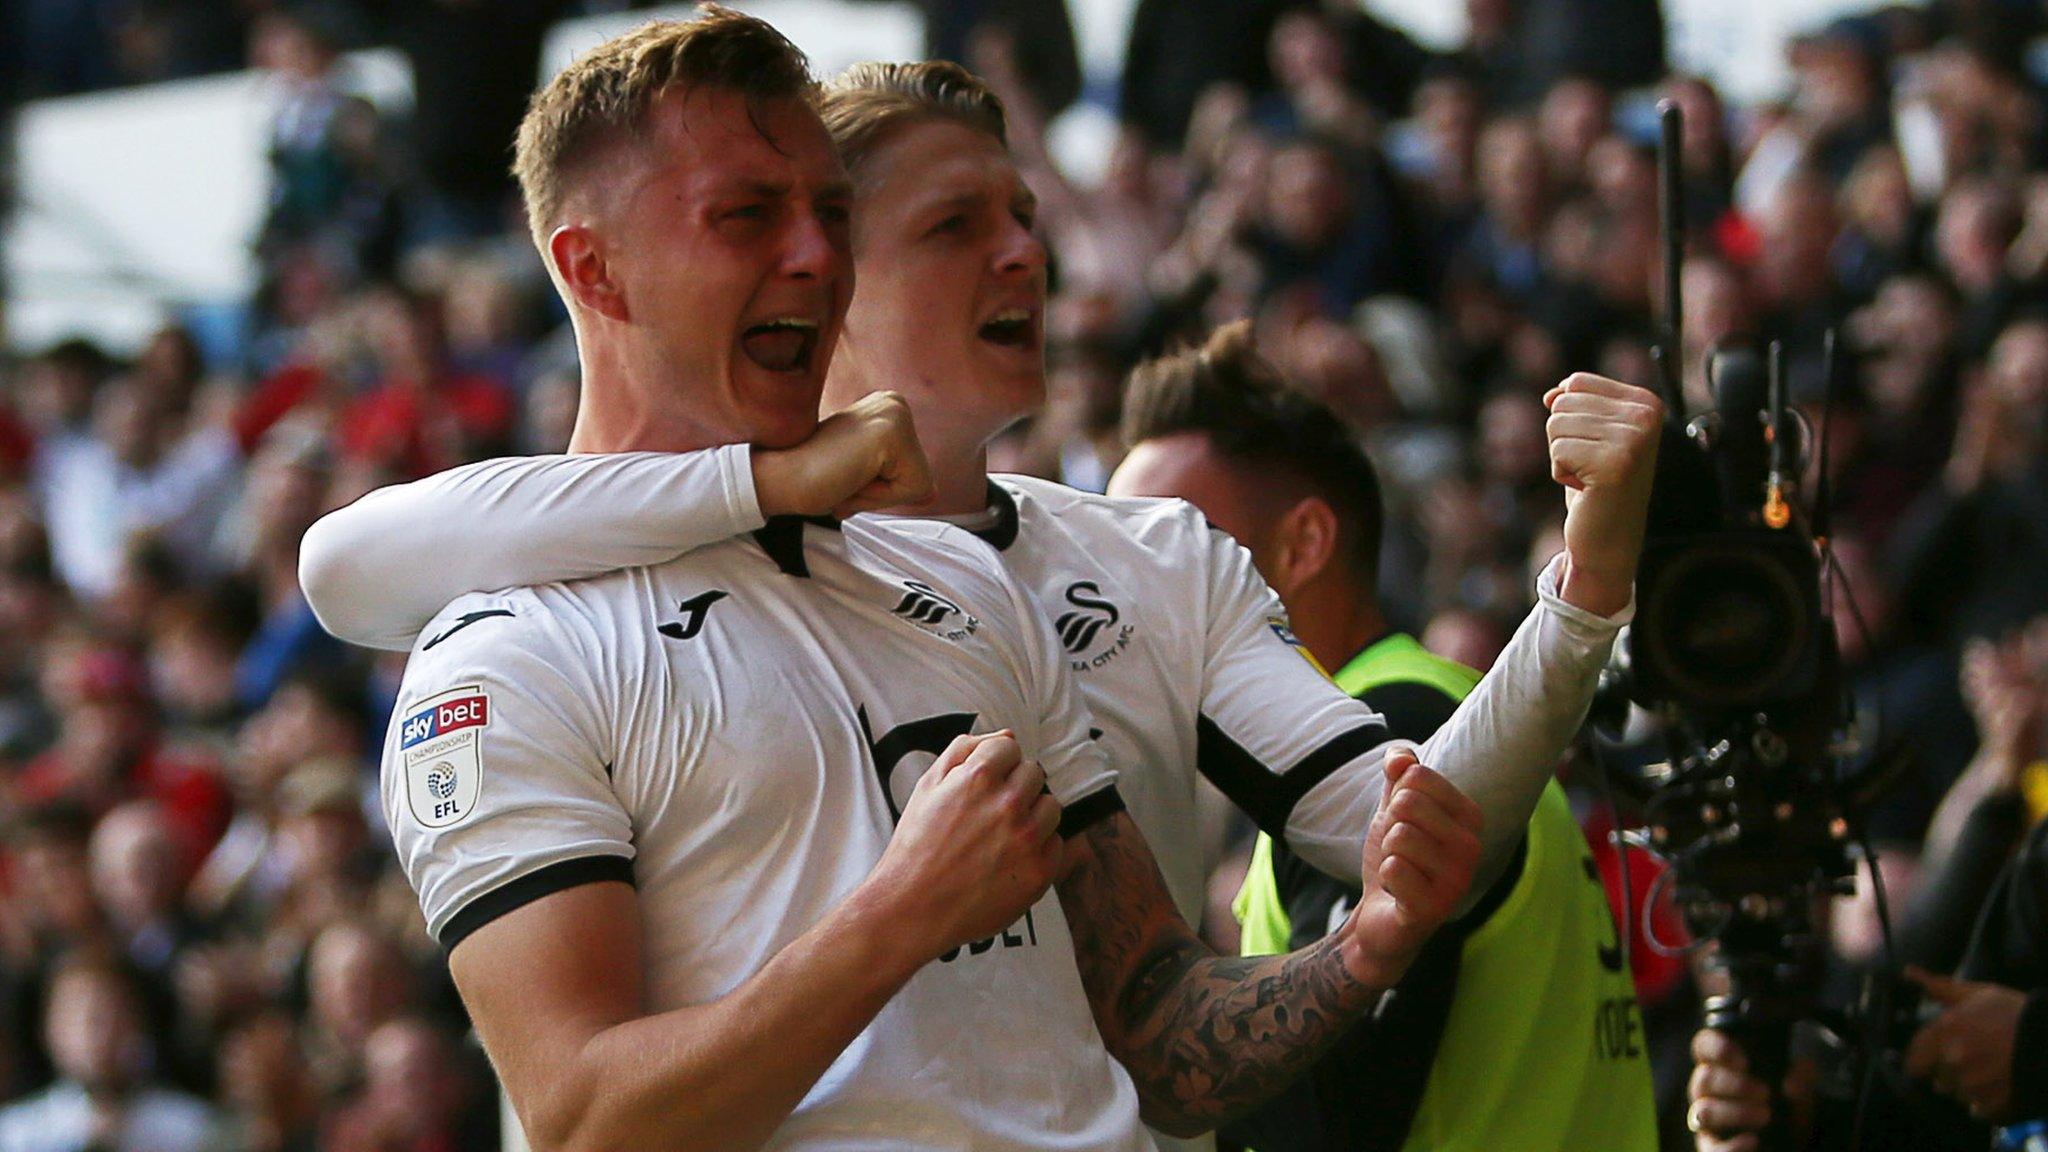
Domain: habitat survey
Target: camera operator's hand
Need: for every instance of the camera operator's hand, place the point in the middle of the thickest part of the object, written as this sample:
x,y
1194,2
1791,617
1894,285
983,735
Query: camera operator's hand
x,y
1420,854
1603,448
862,458
1967,1050
1729,1106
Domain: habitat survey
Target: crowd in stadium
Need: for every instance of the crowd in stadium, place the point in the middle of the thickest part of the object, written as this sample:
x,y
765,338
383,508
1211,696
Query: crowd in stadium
x,y
199,896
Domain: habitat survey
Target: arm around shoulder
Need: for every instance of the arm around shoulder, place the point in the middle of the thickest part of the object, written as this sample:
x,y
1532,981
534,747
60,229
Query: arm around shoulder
x,y
377,570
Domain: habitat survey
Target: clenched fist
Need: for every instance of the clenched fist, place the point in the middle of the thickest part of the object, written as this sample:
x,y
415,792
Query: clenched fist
x,y
1603,448
978,844
1420,855
862,458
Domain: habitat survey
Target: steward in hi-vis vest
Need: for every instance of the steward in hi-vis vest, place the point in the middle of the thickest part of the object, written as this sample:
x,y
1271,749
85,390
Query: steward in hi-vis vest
x,y
1516,1029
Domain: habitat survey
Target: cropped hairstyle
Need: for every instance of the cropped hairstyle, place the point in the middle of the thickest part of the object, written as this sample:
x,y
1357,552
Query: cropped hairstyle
x,y
1224,390
603,98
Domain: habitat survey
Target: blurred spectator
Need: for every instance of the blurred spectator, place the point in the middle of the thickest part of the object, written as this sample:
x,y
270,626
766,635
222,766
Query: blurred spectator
x,y
266,1088
1178,48
1977,224
108,750
357,981
418,1095
1514,191
139,869
422,415
1976,544
286,491
1332,227
49,913
314,721
194,641
550,414
1037,34
106,1098
1470,638
466,106
140,472
330,188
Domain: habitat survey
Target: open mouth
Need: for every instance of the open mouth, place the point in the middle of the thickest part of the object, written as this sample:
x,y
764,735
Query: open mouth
x,y
1012,328
781,345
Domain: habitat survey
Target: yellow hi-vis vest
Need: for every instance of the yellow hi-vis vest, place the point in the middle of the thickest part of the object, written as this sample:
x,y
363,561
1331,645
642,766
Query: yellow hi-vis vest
x,y
1543,1049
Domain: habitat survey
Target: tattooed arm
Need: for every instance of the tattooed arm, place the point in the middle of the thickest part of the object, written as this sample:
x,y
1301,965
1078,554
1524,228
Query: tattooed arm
x,y
1208,1037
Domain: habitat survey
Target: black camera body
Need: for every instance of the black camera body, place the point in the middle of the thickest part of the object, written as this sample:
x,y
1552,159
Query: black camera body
x,y
1733,651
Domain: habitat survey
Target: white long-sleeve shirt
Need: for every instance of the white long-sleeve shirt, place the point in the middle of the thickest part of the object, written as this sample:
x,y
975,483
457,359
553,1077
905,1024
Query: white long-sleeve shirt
x,y
1182,654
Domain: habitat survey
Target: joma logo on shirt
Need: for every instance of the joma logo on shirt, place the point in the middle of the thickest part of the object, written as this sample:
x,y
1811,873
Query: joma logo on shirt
x,y
694,611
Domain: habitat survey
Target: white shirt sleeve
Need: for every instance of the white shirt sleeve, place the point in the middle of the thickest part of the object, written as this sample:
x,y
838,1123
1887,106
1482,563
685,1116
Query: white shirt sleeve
x,y
1500,747
496,769
1286,745
376,571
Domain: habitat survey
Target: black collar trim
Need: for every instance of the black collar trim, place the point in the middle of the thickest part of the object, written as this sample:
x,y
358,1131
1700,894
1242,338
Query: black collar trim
x,y
782,538
1003,533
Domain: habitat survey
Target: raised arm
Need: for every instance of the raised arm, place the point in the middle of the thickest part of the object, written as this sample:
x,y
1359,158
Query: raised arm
x,y
376,571
556,990
1502,744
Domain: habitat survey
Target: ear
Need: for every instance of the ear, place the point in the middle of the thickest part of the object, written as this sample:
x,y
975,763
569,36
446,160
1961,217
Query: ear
x,y
1303,544
580,265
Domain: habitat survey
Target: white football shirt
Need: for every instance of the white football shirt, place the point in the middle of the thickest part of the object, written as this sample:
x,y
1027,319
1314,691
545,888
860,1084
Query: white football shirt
x,y
735,733
1181,650
1182,653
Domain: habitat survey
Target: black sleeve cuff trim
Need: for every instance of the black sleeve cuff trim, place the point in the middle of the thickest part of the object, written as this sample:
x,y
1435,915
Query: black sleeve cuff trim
x,y
1269,797
517,894
1089,811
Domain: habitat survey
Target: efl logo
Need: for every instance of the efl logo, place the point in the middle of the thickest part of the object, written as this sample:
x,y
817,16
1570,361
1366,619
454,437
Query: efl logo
x,y
445,717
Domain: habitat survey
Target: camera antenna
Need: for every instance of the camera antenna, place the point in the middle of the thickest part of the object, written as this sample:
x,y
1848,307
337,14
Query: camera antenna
x,y
1670,348
1823,493
1777,513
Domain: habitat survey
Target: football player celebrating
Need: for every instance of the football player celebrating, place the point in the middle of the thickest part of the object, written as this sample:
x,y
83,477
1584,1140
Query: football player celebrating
x,y
1183,654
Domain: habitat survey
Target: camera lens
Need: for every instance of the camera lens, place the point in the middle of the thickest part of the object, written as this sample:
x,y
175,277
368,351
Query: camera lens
x,y
1726,626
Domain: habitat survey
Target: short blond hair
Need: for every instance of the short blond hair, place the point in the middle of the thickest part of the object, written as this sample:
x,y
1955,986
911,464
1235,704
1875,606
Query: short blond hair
x,y
868,103
604,97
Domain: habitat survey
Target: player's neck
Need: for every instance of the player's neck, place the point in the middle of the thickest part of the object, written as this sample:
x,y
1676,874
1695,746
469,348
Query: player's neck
x,y
959,480
616,413
1334,623
959,462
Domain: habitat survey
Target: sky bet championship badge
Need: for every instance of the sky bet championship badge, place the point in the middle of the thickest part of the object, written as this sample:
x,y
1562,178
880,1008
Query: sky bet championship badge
x,y
442,742
1286,634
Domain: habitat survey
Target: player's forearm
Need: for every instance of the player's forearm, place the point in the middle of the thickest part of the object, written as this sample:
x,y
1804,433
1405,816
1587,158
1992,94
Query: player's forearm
x,y
1598,592
1502,744
1209,1038
514,521
722,1076
1206,1038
